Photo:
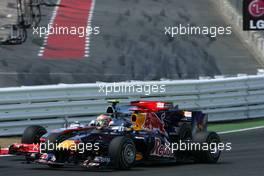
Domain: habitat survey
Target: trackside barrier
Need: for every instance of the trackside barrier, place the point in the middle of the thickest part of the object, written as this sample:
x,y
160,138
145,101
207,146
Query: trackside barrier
x,y
53,106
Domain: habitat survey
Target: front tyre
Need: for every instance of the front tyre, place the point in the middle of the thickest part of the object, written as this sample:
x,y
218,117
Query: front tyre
x,y
32,134
211,139
122,152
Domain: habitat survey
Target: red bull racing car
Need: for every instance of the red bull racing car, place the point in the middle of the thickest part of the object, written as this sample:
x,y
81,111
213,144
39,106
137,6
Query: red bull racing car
x,y
141,132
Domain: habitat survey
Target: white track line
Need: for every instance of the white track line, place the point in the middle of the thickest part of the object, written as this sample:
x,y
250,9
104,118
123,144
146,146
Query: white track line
x,y
241,130
89,23
54,14
5,155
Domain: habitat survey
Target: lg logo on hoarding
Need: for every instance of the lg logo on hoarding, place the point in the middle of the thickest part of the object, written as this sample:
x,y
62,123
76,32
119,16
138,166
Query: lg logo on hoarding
x,y
253,15
256,8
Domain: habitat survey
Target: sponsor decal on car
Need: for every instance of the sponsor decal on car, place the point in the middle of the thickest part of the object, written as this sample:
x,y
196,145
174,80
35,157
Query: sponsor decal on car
x,y
161,149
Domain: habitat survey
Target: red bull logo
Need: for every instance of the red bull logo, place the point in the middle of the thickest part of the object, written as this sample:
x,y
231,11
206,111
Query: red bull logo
x,y
152,122
147,121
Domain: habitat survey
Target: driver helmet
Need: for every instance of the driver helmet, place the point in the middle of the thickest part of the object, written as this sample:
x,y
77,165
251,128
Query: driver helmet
x,y
103,120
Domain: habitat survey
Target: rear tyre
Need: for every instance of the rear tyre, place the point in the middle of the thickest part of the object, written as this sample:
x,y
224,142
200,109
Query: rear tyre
x,y
207,156
122,152
32,134
185,132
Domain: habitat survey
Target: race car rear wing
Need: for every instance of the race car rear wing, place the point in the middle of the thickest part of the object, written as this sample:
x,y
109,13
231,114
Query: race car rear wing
x,y
153,106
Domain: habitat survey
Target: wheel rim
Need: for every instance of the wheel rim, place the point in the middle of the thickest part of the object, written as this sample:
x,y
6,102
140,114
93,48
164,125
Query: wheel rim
x,y
129,153
217,153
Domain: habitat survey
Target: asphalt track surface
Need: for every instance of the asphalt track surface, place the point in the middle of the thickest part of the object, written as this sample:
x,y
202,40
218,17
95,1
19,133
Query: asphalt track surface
x,y
245,159
132,46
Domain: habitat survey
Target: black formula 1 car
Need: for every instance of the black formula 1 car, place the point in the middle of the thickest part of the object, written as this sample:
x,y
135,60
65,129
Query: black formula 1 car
x,y
141,132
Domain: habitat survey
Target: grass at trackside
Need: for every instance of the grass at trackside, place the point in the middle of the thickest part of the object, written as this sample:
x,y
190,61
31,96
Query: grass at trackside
x,y
235,125
6,141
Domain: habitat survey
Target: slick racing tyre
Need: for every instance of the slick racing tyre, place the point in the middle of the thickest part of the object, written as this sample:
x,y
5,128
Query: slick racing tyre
x,y
32,134
207,156
185,132
122,152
